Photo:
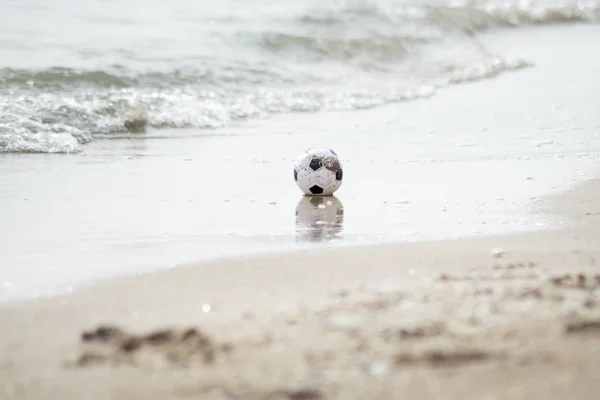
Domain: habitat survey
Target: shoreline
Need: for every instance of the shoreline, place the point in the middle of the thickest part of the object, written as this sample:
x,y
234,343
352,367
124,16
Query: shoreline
x,y
507,316
577,210
329,251
461,168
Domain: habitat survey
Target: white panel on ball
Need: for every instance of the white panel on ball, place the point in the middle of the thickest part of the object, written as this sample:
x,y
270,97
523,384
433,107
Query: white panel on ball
x,y
318,172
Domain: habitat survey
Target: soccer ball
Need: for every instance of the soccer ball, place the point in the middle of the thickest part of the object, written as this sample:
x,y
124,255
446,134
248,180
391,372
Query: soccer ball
x,y
318,172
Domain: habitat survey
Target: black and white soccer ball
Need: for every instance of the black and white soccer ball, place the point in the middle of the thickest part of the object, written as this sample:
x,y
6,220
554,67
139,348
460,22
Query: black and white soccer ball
x,y
318,172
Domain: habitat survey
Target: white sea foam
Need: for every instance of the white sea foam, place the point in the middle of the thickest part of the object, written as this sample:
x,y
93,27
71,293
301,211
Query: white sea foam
x,y
291,58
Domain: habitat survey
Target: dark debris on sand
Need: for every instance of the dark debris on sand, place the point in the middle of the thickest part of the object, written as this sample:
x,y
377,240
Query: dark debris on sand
x,y
136,125
451,331
445,358
580,327
114,345
577,281
307,394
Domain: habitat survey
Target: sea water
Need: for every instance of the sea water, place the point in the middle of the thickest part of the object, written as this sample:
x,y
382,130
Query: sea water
x,y
228,93
72,72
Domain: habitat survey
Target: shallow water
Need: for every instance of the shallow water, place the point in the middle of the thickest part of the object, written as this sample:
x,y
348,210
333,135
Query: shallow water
x,y
212,174
73,72
175,196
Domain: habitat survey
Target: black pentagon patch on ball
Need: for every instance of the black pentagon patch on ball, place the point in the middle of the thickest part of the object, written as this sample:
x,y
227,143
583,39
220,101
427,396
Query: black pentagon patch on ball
x,y
315,164
339,175
295,175
316,189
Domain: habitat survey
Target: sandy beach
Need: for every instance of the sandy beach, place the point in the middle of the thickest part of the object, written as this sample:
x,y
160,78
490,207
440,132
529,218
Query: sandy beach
x,y
498,298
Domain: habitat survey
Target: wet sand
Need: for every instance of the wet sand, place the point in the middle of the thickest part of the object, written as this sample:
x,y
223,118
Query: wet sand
x,y
510,316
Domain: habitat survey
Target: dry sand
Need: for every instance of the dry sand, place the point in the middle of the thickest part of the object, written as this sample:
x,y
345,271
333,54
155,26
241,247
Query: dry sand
x,y
504,317
494,318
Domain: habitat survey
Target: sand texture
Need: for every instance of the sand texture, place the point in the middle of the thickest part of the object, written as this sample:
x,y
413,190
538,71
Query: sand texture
x,y
505,317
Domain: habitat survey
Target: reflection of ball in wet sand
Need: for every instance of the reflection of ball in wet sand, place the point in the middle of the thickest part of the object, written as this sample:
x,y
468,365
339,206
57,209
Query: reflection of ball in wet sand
x,y
319,218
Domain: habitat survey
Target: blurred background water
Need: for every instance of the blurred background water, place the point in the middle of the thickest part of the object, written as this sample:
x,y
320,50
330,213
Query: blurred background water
x,y
72,72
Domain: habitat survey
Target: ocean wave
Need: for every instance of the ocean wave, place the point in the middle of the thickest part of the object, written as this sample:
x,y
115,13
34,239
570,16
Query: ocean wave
x,y
495,13
473,15
21,140
316,48
350,56
118,76
62,123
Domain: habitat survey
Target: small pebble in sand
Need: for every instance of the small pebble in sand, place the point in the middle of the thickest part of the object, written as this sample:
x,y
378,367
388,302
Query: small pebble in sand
x,y
344,321
379,368
206,308
498,253
589,303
